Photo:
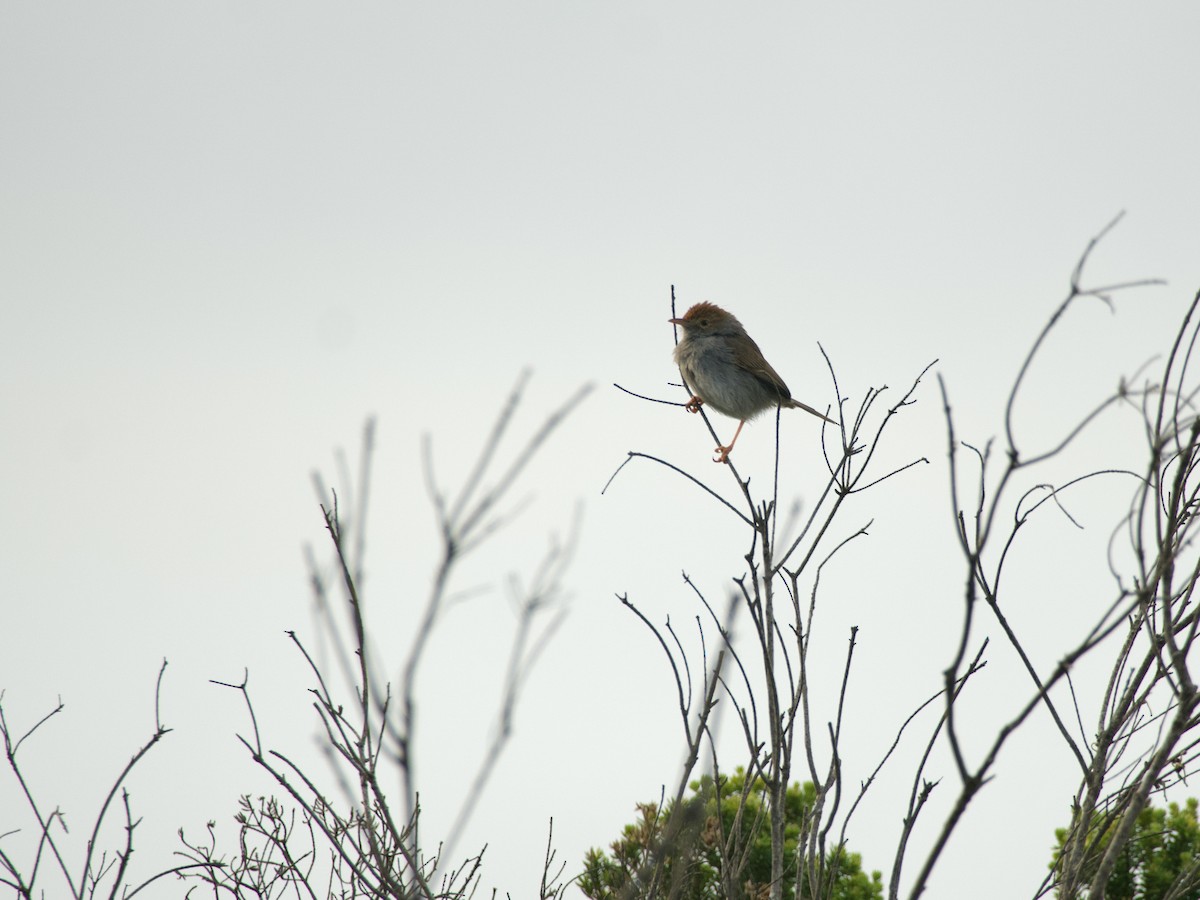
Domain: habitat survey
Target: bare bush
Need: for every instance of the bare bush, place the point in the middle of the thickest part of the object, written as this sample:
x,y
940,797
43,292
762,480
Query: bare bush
x,y
103,864
340,833
352,828
1144,737
372,838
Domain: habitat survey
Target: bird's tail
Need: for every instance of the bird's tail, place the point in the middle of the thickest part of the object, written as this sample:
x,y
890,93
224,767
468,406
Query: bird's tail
x,y
796,404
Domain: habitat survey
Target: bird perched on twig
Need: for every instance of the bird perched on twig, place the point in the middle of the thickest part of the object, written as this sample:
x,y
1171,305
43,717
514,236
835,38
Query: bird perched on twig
x,y
723,367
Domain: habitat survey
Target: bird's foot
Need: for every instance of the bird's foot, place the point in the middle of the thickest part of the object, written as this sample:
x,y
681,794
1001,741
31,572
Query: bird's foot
x,y
693,405
722,454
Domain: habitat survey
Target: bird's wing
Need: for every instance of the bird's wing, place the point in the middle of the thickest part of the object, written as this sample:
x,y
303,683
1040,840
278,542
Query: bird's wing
x,y
756,364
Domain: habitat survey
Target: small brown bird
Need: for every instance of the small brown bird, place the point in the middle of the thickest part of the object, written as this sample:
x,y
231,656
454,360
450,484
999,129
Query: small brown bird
x,y
724,368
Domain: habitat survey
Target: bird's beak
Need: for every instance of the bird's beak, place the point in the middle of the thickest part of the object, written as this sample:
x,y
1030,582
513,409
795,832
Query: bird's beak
x,y
675,321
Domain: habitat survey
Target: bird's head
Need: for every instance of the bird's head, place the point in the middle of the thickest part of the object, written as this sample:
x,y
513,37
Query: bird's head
x,y
707,318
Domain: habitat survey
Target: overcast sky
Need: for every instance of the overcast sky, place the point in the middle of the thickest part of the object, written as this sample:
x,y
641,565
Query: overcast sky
x,y
231,232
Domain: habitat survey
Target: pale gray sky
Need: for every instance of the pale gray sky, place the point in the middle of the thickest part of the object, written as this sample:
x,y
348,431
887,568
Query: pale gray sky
x,y
229,232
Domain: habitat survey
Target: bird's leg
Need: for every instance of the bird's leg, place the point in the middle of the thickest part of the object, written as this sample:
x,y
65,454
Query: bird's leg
x,y
723,452
693,405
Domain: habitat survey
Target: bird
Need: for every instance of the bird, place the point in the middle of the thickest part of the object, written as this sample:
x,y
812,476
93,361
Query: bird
x,y
723,367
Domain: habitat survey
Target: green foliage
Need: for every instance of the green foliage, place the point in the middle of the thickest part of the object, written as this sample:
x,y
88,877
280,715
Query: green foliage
x,y
699,861
1161,861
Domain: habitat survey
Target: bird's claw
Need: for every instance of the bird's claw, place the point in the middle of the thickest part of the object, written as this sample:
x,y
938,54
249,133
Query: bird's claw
x,y
722,454
693,405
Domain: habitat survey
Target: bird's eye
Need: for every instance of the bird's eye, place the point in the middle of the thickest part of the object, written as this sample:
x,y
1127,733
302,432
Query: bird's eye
x,y
703,323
